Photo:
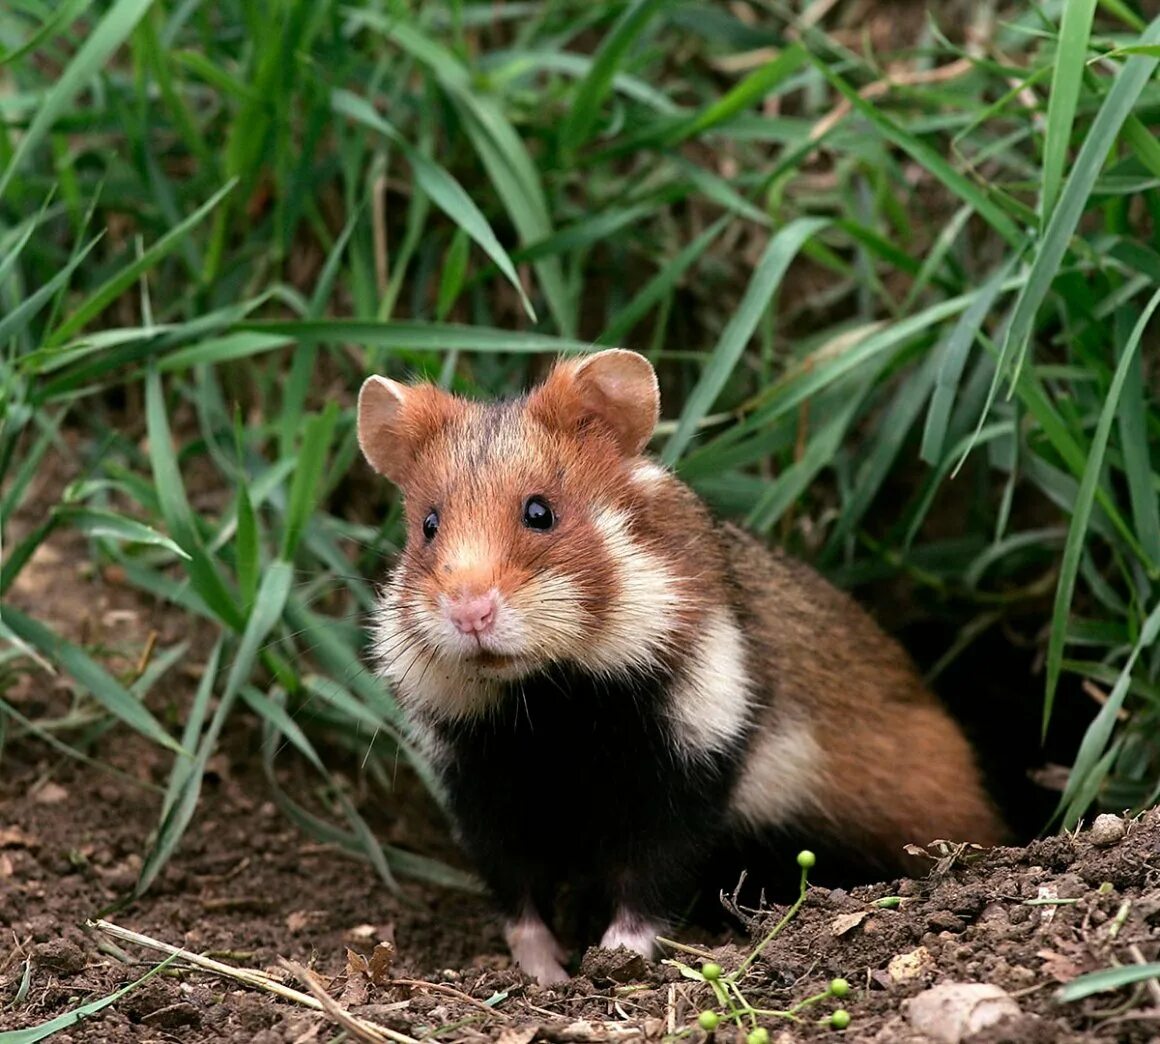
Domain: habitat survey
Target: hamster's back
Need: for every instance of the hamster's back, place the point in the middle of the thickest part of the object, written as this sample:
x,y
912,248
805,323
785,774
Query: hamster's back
x,y
850,743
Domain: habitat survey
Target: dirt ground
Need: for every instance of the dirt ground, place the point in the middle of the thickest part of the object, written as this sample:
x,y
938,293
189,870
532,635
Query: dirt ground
x,y
247,888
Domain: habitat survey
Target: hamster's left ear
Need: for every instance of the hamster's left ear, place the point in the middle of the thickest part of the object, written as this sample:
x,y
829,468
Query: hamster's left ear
x,y
615,389
395,421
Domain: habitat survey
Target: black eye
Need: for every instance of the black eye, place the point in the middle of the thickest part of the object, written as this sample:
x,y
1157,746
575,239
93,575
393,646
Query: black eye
x,y
431,525
537,514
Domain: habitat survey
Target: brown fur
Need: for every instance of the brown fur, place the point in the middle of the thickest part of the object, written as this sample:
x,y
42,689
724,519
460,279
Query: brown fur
x,y
897,768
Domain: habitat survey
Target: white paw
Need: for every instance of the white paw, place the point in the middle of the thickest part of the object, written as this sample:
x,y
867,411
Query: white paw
x,y
535,949
633,933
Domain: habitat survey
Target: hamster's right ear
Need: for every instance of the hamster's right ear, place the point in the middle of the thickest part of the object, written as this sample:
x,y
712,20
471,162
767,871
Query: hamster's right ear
x,y
394,420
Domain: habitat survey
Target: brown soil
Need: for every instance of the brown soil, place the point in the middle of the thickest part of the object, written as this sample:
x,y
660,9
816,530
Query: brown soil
x,y
249,888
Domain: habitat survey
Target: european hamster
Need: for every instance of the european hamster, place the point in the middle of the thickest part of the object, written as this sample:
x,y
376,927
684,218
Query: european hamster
x,y
611,685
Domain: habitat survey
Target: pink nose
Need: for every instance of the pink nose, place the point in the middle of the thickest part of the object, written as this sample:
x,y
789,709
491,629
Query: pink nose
x,y
473,614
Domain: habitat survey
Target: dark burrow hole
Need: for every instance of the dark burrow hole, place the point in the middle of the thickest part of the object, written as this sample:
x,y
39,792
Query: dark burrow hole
x,y
995,690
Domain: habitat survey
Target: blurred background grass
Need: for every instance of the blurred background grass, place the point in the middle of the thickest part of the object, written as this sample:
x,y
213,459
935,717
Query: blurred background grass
x,y
894,261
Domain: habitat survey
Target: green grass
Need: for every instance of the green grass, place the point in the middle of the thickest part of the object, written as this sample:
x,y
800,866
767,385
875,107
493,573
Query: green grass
x,y
870,309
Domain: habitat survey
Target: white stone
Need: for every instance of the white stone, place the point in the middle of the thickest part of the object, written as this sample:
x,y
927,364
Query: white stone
x,y
1107,830
955,1010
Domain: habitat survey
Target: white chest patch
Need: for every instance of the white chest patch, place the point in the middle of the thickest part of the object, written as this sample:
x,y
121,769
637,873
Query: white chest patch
x,y
781,776
711,705
639,623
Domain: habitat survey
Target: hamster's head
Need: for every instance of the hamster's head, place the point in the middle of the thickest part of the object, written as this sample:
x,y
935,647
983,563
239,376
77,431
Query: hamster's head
x,y
522,547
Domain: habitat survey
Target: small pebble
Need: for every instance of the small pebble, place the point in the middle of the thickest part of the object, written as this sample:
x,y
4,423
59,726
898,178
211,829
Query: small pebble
x,y
945,921
1107,830
906,967
60,955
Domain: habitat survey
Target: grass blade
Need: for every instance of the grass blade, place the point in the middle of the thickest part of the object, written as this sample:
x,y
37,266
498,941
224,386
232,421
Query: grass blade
x,y
953,180
95,680
105,294
774,262
1099,732
445,192
952,360
594,88
1134,445
185,778
1066,80
106,37
85,1011
1107,979
105,524
1085,498
1125,91
740,98
417,336
308,475
203,571
661,285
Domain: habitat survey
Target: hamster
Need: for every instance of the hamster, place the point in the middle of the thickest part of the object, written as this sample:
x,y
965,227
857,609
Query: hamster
x,y
610,685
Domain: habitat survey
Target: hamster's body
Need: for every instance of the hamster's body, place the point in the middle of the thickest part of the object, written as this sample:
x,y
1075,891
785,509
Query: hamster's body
x,y
611,686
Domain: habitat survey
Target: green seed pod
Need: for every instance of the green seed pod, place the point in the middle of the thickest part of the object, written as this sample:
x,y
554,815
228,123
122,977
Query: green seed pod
x,y
758,1036
711,971
839,987
806,859
840,1019
708,1021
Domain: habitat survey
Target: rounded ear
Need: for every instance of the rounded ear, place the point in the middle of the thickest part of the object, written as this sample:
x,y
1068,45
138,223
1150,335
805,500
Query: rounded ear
x,y
380,426
616,388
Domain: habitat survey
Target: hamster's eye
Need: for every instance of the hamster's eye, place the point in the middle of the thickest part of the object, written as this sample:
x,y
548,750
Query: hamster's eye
x,y
537,514
431,526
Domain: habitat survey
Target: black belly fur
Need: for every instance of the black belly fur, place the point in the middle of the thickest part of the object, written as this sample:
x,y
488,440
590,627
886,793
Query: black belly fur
x,y
576,781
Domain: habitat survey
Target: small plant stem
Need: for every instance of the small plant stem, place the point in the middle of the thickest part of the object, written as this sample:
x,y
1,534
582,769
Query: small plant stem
x,y
775,1013
1119,919
746,1008
776,928
809,1000
721,993
696,951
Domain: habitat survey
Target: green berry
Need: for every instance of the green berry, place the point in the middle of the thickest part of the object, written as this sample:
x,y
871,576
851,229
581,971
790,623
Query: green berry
x,y
839,987
758,1036
711,971
806,859
840,1019
708,1020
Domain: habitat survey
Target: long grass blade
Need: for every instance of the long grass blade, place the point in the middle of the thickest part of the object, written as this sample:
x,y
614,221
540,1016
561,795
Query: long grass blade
x,y
109,33
774,262
1077,531
1066,80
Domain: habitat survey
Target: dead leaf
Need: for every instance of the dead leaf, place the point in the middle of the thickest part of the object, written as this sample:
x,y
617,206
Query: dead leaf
x,y
1058,966
844,923
379,966
355,991
14,837
518,1035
